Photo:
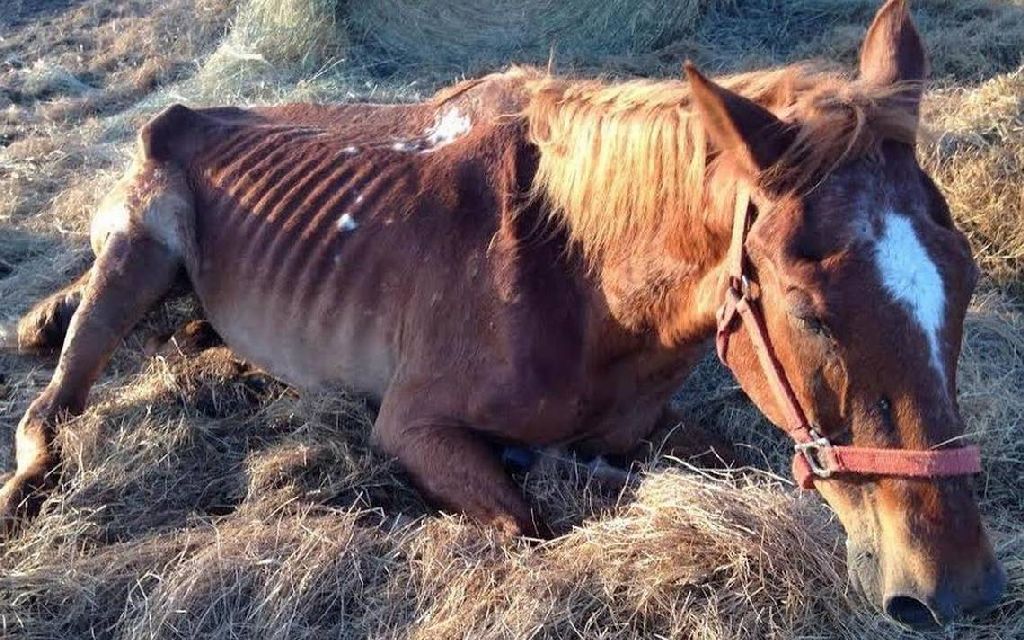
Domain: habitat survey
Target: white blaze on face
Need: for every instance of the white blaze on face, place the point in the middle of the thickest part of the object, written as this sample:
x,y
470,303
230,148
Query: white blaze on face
x,y
912,279
447,128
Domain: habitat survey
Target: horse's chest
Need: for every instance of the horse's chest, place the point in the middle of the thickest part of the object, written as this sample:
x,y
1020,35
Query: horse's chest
x,y
627,403
603,410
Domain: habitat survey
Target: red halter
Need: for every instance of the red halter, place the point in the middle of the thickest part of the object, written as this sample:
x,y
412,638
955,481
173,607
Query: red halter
x,y
815,456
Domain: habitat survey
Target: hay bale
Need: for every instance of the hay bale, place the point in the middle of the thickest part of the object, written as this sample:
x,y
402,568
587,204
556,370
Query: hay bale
x,y
407,35
46,80
338,46
293,35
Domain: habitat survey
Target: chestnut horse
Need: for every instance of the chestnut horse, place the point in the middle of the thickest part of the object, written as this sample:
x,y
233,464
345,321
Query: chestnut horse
x,y
534,260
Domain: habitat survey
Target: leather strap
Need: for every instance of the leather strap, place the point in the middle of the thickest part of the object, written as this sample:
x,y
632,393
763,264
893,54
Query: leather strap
x,y
815,456
905,463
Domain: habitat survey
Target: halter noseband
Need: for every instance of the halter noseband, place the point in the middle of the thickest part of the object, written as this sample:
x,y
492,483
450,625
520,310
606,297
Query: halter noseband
x,y
815,456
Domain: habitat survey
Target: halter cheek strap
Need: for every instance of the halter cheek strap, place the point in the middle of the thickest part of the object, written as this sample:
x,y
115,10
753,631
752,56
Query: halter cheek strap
x,y
815,457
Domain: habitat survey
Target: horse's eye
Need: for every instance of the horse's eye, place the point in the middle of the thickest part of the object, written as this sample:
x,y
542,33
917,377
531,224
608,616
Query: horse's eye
x,y
812,324
883,409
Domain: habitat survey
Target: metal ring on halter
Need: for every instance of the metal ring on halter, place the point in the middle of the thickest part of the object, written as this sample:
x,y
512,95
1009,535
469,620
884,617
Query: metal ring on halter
x,y
812,452
749,289
742,288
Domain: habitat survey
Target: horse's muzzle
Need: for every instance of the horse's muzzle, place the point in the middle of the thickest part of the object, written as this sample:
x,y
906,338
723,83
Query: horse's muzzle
x,y
929,605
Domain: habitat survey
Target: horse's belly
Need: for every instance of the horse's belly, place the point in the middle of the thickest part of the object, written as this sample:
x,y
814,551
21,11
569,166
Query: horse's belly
x,y
309,355
314,311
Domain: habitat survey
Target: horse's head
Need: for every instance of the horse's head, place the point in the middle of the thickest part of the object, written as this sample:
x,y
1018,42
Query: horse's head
x,y
863,283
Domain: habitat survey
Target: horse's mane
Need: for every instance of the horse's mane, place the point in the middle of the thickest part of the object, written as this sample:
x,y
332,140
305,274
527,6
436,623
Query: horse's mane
x,y
624,160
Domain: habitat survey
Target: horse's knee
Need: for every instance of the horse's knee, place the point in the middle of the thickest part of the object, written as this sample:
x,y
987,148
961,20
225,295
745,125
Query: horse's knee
x,y
456,470
193,338
153,198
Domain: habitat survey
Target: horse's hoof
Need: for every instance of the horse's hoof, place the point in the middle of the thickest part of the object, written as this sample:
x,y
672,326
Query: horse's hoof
x,y
18,502
194,338
9,498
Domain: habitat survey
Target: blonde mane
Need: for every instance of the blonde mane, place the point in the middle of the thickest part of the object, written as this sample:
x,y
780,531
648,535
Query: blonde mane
x,y
629,160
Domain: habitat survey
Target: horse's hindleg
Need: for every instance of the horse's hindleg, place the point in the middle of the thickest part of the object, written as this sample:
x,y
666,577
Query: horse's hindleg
x,y
455,468
43,328
131,273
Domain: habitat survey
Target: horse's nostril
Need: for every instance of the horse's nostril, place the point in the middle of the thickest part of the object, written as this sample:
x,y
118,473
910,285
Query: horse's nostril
x,y
910,611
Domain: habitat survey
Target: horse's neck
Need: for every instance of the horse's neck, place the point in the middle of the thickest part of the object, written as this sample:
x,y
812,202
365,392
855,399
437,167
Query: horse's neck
x,y
670,286
673,301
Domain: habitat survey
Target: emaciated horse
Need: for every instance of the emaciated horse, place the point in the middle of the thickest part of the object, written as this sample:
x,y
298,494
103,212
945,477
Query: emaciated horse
x,y
534,260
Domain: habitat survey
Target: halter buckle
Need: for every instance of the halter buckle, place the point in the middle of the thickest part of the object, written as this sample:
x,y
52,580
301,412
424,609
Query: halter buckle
x,y
814,453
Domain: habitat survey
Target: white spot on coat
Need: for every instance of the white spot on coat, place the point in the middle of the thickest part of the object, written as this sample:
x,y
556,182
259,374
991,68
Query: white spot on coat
x,y
446,129
359,198
912,279
351,150
347,223
400,146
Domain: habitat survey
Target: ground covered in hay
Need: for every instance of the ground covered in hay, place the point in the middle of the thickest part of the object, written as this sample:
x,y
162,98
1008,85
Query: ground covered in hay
x,y
200,498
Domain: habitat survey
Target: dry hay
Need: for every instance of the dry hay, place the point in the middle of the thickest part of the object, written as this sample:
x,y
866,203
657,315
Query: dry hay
x,y
200,498
976,155
412,34
967,40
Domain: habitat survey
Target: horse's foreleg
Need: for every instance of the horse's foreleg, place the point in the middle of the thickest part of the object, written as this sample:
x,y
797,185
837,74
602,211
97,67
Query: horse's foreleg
x,y
455,468
131,273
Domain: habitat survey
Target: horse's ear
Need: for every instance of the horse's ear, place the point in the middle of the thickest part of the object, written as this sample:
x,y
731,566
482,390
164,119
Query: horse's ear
x,y
738,126
893,54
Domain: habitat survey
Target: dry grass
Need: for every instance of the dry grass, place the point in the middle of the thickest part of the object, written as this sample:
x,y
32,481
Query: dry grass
x,y
413,34
200,498
976,155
